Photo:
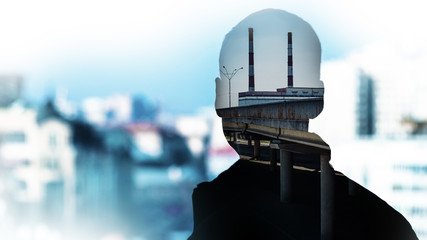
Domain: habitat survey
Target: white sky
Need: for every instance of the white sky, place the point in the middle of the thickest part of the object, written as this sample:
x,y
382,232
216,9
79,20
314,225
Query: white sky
x,y
165,49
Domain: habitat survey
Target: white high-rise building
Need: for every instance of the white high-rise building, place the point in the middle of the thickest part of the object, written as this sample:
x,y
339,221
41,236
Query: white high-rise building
x,y
395,170
391,162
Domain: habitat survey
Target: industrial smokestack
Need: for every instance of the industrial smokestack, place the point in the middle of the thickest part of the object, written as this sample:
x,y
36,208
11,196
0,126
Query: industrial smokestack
x,y
290,62
251,61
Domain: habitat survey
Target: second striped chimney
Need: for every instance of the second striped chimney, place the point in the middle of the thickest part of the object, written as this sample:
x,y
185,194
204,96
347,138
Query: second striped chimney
x,y
251,61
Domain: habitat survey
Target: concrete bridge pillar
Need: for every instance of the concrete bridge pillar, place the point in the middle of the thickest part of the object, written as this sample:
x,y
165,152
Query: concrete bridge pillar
x,y
257,145
327,198
273,159
286,167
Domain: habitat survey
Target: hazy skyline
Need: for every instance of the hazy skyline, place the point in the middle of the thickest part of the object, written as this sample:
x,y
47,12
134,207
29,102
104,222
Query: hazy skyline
x,y
165,50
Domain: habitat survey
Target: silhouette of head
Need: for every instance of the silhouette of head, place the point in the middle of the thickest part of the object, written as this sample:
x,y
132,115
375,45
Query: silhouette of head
x,y
269,75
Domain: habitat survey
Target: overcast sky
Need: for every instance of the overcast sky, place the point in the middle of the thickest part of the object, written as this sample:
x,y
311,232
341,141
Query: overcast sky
x,y
168,50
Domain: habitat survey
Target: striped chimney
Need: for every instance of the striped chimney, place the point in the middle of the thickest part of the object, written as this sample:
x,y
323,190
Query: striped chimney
x,y
290,62
251,61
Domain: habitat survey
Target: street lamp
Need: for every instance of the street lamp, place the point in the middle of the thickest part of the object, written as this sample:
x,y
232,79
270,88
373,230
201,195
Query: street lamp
x,y
229,76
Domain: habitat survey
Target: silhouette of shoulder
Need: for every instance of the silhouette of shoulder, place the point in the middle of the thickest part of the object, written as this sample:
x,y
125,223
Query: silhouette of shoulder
x,y
243,203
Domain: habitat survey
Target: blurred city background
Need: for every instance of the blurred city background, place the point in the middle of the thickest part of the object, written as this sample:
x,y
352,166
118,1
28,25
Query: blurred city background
x,y
107,118
112,166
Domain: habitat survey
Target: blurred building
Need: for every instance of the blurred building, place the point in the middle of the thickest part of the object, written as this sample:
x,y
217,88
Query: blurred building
x,y
118,109
409,191
395,170
143,109
111,168
37,159
112,110
391,162
366,106
10,89
147,141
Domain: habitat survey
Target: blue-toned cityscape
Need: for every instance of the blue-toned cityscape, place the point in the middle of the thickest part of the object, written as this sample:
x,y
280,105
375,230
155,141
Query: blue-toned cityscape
x,y
111,167
108,123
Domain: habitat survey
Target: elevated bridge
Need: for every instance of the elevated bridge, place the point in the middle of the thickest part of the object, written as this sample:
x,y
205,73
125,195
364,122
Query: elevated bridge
x,y
285,125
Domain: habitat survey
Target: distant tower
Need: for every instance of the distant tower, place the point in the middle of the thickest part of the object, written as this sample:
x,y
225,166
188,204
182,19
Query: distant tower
x,y
290,62
251,61
366,106
10,89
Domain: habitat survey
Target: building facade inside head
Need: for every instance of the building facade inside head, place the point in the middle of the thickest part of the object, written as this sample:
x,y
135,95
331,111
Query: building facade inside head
x,y
270,56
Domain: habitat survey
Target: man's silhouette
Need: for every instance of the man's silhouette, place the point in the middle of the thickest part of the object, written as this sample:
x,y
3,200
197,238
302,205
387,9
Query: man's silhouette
x,y
249,200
